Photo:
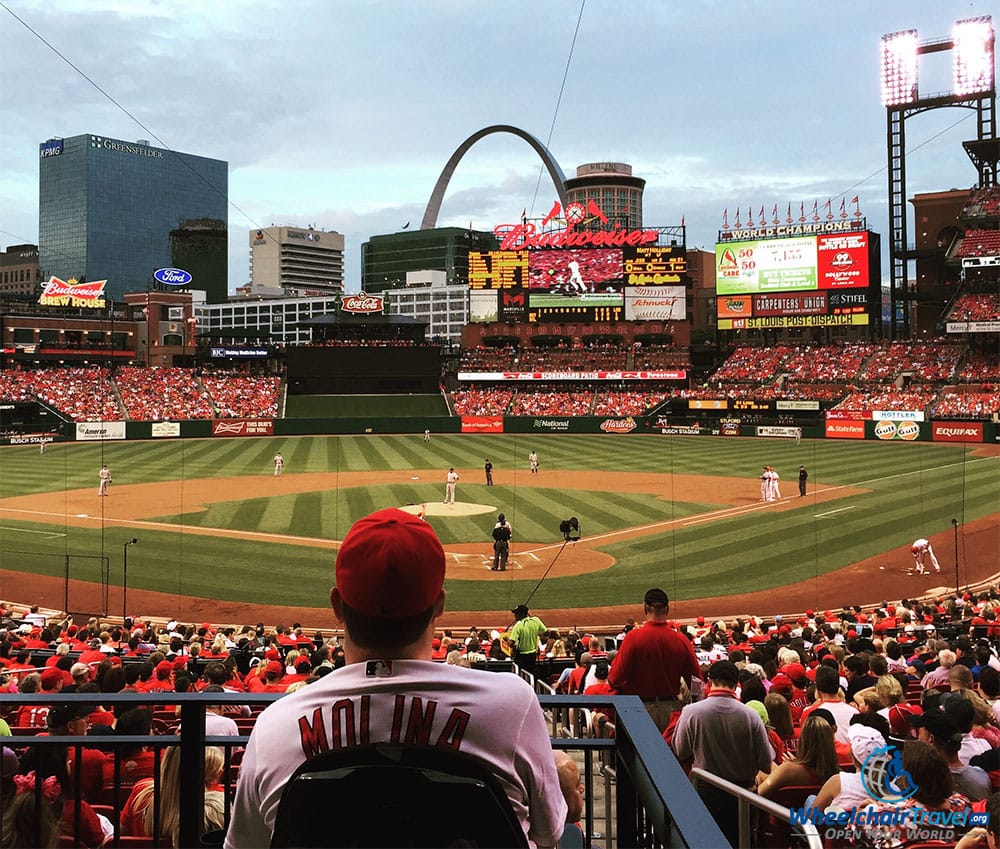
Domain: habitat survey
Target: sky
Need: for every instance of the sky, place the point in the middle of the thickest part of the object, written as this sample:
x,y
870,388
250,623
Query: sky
x,y
341,115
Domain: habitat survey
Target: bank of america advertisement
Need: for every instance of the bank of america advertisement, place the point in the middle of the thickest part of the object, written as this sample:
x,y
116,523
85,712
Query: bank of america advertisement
x,y
799,264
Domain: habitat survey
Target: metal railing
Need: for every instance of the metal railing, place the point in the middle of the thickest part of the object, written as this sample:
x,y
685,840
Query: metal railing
x,y
654,803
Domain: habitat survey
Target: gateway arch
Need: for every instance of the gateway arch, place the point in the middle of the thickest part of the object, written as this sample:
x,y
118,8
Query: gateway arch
x,y
555,172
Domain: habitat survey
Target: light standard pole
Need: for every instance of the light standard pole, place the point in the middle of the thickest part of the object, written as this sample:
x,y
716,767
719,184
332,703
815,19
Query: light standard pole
x,y
954,525
125,546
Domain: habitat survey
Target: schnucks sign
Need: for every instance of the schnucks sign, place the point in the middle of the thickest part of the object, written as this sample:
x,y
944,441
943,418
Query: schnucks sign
x,y
173,276
69,293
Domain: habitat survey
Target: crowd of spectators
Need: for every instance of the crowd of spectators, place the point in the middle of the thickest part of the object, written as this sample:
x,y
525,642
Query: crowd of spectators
x,y
976,306
969,404
979,243
552,402
932,361
824,688
984,202
889,398
160,393
84,393
654,357
748,364
827,363
243,396
980,367
627,402
481,402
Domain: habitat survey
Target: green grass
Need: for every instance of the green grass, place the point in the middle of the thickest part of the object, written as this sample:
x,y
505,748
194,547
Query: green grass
x,y
914,490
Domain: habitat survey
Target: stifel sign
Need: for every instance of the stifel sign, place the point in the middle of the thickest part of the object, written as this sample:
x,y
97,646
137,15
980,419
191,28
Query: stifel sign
x,y
69,293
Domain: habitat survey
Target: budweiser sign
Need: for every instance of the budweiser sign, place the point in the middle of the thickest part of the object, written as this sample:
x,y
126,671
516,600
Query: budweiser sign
x,y
618,425
242,427
362,303
69,293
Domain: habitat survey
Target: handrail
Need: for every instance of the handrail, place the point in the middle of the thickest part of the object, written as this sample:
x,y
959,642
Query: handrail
x,y
656,805
748,799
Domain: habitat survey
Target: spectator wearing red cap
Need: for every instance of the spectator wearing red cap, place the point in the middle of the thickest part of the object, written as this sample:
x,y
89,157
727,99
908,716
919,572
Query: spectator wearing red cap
x,y
388,596
828,696
655,662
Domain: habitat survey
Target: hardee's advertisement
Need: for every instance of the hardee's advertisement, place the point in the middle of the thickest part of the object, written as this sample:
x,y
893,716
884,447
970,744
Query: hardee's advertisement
x,y
70,293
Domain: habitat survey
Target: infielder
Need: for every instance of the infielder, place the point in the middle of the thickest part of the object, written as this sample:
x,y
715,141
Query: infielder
x,y
449,487
533,462
105,478
922,550
775,491
765,483
279,463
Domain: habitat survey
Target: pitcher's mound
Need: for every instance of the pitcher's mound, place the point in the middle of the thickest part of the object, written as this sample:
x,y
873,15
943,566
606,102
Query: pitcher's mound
x,y
459,508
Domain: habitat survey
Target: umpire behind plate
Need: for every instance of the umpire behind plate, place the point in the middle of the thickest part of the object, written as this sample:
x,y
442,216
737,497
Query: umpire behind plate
x,y
502,533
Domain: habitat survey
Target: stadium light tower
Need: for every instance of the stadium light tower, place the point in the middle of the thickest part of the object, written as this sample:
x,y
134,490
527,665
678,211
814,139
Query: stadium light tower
x,y
973,84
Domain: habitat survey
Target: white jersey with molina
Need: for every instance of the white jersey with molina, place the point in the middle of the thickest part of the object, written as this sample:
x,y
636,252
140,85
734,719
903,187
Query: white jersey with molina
x,y
493,716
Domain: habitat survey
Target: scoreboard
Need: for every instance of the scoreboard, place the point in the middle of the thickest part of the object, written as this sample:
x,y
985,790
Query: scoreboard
x,y
587,283
809,280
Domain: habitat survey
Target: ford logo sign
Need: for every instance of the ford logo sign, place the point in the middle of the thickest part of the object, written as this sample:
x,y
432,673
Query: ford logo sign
x,y
172,276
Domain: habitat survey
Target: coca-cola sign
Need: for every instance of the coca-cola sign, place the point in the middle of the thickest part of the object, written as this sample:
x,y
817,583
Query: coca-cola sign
x,y
362,303
70,293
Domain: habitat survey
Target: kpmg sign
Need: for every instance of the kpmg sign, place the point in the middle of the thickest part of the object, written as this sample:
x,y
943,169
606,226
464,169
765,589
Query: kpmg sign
x,y
52,147
172,276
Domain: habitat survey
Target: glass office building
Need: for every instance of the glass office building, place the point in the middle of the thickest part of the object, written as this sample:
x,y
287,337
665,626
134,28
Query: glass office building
x,y
106,208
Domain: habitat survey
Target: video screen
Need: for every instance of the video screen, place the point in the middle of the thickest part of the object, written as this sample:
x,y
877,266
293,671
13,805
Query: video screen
x,y
586,277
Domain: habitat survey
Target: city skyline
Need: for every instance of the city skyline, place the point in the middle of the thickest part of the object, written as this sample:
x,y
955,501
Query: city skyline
x,y
333,116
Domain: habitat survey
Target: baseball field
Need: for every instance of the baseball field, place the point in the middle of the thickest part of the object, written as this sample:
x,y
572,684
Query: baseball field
x,y
220,538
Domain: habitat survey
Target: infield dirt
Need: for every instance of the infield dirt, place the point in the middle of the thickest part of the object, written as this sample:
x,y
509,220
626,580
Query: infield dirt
x,y
134,506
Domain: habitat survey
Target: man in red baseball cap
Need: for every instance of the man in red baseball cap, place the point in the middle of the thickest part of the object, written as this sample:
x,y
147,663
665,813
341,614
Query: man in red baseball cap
x,y
388,595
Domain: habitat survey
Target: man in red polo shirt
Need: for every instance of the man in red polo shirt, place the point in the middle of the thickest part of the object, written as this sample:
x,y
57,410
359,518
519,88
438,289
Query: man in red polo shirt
x,y
654,661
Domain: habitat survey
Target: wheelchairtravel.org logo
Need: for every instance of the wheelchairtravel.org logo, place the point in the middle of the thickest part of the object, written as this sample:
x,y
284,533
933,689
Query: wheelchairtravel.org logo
x,y
890,786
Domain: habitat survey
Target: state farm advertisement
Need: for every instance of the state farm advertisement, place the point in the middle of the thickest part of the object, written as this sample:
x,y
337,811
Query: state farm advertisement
x,y
482,424
957,431
242,427
845,429
842,261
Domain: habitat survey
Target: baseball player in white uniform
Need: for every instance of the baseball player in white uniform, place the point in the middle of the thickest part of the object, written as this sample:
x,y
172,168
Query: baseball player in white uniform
x,y
922,551
279,464
449,486
391,568
104,478
533,462
775,491
575,278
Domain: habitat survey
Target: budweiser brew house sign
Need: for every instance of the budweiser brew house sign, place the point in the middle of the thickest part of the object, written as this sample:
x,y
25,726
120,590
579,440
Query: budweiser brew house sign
x,y
70,293
362,303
